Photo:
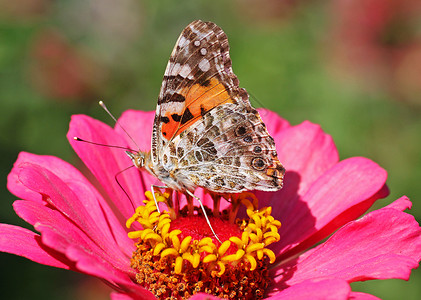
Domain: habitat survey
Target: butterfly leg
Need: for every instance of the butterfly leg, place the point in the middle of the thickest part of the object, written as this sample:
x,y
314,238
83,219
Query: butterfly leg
x,y
153,194
205,214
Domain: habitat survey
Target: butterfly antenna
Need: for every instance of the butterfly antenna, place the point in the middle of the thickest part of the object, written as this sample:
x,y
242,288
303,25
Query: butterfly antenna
x,y
103,145
256,100
102,104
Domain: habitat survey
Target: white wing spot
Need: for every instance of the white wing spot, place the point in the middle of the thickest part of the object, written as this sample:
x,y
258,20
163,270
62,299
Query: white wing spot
x,y
197,43
185,71
173,70
182,42
203,51
204,65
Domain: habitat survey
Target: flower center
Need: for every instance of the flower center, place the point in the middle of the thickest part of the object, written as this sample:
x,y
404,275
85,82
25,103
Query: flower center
x,y
181,257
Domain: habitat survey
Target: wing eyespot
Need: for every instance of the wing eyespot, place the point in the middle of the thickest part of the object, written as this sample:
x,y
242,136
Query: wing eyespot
x,y
258,164
248,139
257,149
240,130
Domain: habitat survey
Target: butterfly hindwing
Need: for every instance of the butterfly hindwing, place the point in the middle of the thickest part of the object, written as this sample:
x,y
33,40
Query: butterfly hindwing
x,y
228,150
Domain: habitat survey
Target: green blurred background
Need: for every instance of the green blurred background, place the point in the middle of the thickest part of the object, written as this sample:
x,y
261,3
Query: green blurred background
x,y
354,67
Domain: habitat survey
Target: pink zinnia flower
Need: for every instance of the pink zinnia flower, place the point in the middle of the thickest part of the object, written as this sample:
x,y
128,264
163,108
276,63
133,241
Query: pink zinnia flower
x,y
81,224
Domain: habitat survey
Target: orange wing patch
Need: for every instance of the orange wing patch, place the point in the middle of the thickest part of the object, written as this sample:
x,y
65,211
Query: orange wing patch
x,y
199,99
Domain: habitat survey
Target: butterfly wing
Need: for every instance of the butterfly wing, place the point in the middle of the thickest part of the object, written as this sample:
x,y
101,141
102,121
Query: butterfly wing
x,y
228,151
197,79
206,132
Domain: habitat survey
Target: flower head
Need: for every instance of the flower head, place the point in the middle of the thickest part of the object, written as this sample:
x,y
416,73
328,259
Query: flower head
x,y
82,225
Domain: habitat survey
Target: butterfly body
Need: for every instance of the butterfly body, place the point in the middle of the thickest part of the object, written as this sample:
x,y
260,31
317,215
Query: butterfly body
x,y
206,134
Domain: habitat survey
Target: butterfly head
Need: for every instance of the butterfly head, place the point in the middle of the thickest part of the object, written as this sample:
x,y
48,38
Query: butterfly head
x,y
138,158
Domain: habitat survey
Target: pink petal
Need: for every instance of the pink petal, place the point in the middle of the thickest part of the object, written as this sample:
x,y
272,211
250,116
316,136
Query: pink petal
x,y
60,196
362,296
97,207
138,125
134,296
274,123
342,194
383,244
23,242
203,296
306,152
106,162
89,263
118,296
323,289
39,215
401,204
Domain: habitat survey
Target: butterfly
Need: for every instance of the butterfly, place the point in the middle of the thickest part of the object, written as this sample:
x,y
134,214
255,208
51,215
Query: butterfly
x,y
205,132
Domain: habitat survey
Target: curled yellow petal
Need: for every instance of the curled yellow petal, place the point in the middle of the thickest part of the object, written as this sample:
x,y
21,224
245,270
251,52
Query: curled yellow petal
x,y
259,234
237,241
256,220
145,223
272,234
169,251
185,243
224,247
153,236
130,221
270,254
254,247
205,241
158,248
149,195
207,249
259,254
196,260
175,242
221,269
245,237
269,240
254,238
209,258
276,223
252,227
165,229
135,234
178,265
188,257
252,260
174,232
239,254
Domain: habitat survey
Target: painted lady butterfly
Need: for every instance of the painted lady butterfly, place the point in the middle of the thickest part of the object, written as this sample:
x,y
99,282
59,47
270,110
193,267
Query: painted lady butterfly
x,y
206,133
